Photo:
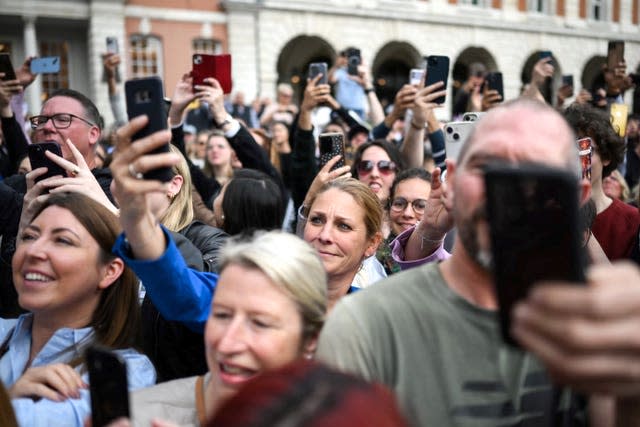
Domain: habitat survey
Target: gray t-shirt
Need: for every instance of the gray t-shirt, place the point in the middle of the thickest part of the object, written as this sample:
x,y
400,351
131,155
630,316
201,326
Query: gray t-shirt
x,y
443,356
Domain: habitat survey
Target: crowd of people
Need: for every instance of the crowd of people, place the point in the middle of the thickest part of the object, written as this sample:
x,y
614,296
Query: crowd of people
x,y
259,287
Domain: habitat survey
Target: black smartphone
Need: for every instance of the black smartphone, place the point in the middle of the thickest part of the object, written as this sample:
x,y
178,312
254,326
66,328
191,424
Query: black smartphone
x,y
145,96
353,61
545,54
6,67
107,385
112,44
316,68
567,80
532,211
331,145
494,82
615,53
38,159
437,70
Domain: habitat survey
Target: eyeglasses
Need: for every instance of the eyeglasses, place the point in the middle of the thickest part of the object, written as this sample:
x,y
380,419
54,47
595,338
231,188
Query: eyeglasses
x,y
60,121
384,166
399,204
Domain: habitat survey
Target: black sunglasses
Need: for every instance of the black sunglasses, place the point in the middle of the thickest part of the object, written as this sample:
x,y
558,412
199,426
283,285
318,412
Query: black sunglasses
x,y
384,166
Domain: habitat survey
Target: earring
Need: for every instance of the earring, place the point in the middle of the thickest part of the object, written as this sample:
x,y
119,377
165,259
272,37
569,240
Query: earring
x,y
308,356
170,195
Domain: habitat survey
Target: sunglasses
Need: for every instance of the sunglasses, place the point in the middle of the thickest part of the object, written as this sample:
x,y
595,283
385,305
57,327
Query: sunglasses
x,y
384,166
399,204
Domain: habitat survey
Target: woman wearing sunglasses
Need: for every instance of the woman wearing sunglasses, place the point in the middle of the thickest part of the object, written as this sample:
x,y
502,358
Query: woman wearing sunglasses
x,y
407,203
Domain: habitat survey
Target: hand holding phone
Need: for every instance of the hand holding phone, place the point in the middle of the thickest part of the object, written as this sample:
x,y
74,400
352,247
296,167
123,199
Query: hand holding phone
x,y
45,65
615,54
331,145
38,159
216,66
317,68
6,67
354,60
437,71
107,385
532,211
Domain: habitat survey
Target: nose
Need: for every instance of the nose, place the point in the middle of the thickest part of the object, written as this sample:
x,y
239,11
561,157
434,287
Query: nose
x,y
36,249
325,235
233,339
408,211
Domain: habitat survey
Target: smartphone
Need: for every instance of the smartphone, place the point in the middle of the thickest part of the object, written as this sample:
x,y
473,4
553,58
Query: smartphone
x,y
437,70
107,385
415,76
545,54
45,65
455,135
615,53
216,66
316,68
494,82
145,96
532,211
619,114
6,67
38,159
353,61
112,45
331,145
472,116
585,150
567,80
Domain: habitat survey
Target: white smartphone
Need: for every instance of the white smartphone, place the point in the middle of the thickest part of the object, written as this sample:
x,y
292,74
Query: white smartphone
x,y
455,135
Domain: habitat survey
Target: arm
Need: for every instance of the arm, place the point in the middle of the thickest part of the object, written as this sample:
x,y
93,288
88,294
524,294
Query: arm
x,y
14,136
376,113
539,74
413,145
111,61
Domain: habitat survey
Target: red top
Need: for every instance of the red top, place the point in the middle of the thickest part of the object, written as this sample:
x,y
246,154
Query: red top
x,y
616,229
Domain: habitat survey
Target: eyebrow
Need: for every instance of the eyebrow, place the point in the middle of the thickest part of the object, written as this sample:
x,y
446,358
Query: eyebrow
x,y
56,230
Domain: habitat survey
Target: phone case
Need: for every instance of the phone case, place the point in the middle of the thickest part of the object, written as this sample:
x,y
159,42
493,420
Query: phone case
x,y
45,65
38,159
585,151
437,70
216,66
619,114
494,81
455,135
6,67
145,96
415,76
534,231
331,145
316,68
353,61
112,45
615,53
108,386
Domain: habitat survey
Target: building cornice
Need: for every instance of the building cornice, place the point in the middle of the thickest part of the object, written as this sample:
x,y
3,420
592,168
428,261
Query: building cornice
x,y
167,14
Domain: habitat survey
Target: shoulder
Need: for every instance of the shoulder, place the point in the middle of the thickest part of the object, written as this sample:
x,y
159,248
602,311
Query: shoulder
x,y
140,370
630,212
173,400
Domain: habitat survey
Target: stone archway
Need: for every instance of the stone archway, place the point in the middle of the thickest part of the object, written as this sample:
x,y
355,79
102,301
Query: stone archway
x,y
390,68
547,90
460,68
295,57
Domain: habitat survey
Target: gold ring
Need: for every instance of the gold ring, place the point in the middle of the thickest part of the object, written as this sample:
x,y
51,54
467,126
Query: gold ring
x,y
134,173
74,172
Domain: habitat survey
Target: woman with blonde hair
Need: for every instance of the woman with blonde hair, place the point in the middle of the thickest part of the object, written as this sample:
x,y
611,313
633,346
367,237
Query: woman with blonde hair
x,y
218,158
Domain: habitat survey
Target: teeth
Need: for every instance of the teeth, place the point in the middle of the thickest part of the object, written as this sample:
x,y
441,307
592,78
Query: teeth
x,y
36,277
233,370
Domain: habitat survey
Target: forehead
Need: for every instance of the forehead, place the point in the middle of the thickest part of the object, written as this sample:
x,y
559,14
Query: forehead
x,y
340,202
412,186
55,217
62,104
522,135
218,140
249,288
375,153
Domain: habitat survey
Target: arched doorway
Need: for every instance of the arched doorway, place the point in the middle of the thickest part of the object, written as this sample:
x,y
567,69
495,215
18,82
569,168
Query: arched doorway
x,y
460,69
547,89
390,68
295,57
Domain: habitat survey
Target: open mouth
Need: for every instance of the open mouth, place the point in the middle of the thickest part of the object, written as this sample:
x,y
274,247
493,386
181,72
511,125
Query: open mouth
x,y
37,277
232,374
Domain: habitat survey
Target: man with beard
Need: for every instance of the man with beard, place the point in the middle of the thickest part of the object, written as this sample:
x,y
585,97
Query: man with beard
x,y
432,333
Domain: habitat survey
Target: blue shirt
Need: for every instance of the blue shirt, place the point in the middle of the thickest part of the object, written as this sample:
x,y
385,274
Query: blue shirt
x,y
179,293
70,412
349,93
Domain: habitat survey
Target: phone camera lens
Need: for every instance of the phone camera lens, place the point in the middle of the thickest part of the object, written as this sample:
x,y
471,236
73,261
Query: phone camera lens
x,y
456,136
449,129
197,59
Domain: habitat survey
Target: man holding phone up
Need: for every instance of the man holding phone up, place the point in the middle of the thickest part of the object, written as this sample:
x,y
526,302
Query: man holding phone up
x,y
432,333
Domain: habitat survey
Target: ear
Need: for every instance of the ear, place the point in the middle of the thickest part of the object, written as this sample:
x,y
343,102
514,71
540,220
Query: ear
x,y
585,190
112,271
94,135
176,184
310,346
373,244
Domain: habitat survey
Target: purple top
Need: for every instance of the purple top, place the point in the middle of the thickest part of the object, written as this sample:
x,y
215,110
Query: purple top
x,y
397,252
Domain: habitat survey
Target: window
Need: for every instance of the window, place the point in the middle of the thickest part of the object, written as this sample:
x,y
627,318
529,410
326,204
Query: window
x,y
208,46
146,56
52,82
598,10
539,6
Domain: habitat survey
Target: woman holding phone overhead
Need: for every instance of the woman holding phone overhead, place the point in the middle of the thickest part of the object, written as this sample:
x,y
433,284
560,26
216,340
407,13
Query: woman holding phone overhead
x,y
70,308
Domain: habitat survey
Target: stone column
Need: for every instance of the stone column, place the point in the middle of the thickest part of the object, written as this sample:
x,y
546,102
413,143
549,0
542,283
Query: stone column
x,y
33,92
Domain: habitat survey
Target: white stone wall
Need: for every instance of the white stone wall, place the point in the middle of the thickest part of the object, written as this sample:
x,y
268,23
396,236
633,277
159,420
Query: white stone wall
x,y
432,28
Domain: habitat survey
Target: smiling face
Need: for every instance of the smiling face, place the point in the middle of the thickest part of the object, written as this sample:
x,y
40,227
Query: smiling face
x,y
410,189
81,134
336,229
253,327
378,181
45,269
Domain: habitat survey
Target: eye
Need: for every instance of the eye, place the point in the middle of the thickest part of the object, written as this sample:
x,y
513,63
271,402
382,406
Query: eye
x,y
220,314
315,219
28,235
260,323
420,203
64,241
344,226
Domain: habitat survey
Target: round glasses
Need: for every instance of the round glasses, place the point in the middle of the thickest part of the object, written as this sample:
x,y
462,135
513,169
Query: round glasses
x,y
384,166
399,204
60,121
